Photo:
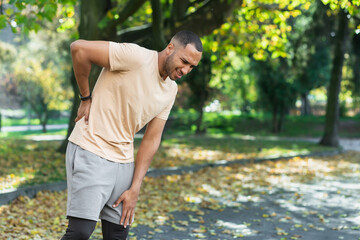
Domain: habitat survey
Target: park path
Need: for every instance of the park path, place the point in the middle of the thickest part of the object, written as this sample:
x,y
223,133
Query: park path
x,y
278,201
352,144
33,128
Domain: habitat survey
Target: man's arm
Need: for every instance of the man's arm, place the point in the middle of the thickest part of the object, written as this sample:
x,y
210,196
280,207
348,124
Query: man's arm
x,y
84,53
148,147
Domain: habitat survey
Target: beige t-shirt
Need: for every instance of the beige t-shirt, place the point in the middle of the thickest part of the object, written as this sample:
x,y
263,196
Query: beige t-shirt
x,y
125,98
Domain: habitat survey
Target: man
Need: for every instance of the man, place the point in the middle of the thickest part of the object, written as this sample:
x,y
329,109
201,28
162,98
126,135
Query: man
x,y
136,87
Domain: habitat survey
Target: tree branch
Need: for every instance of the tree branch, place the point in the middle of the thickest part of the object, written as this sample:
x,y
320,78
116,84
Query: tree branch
x,y
207,18
134,34
271,7
178,10
130,8
157,25
203,21
1,7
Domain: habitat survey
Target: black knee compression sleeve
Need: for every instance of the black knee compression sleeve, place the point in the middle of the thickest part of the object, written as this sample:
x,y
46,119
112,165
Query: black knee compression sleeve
x,y
112,231
79,229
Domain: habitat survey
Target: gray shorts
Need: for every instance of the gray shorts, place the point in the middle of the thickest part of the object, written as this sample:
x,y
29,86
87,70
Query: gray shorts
x,y
94,184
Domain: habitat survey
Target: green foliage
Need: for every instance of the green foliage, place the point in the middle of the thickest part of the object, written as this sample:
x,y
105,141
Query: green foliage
x,y
236,83
37,72
140,17
259,28
257,124
352,6
276,90
198,81
25,16
40,86
7,56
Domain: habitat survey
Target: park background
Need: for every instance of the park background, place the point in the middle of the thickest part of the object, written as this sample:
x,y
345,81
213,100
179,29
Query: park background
x,y
277,79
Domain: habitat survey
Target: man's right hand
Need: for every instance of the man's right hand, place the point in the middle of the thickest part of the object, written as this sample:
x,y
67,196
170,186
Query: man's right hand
x,y
84,111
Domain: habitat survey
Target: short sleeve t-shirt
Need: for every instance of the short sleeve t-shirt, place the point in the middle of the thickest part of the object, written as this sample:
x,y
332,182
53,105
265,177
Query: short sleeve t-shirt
x,y
125,98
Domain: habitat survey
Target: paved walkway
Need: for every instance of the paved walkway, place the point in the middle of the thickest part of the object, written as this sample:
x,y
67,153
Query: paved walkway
x,y
352,144
33,128
301,211
326,207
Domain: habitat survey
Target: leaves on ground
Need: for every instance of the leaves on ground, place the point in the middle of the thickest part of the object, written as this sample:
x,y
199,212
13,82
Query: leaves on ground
x,y
25,162
210,188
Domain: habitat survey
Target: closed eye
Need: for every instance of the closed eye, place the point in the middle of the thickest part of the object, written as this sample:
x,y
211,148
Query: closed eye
x,y
187,63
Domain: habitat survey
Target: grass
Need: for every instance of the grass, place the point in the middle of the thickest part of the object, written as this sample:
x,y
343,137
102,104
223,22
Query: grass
x,y
27,162
182,123
30,134
260,125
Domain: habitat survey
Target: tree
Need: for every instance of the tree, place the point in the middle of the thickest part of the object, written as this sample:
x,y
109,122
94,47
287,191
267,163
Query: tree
x,y
37,75
24,16
40,88
312,51
331,132
344,9
7,58
356,62
198,81
91,14
276,90
104,20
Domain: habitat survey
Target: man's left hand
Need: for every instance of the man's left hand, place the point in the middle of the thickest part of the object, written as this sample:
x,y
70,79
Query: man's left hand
x,y
129,199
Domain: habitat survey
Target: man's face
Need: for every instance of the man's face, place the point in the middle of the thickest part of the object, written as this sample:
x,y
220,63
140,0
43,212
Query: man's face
x,y
181,61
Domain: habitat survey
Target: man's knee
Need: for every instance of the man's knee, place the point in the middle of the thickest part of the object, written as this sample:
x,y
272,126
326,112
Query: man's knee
x,y
79,229
112,231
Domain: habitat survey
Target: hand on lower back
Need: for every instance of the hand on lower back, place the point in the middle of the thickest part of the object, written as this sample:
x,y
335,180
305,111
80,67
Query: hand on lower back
x,y
84,111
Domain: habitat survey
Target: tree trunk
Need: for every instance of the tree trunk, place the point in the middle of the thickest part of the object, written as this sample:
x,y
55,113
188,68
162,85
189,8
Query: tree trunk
x,y
281,119
203,21
45,120
331,132
199,120
305,105
274,120
356,64
91,12
157,28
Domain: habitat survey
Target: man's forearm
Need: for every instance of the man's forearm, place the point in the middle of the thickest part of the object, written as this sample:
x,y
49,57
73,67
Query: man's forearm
x,y
84,54
144,156
82,67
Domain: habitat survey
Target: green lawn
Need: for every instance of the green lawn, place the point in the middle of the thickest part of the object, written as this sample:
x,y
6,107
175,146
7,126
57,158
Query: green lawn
x,y
28,134
27,162
260,125
182,123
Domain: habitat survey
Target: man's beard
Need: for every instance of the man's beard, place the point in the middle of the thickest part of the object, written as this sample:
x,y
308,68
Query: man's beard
x,y
169,65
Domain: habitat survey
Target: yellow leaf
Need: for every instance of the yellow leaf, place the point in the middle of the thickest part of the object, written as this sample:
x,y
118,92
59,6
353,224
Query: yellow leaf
x,y
9,11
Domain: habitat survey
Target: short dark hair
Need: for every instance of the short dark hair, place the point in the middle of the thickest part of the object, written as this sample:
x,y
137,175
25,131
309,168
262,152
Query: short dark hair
x,y
186,37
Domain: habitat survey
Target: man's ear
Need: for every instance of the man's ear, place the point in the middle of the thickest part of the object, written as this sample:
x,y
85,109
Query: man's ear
x,y
170,48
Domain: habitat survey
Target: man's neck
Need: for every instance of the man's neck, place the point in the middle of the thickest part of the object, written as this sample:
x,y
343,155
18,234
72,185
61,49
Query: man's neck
x,y
161,63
